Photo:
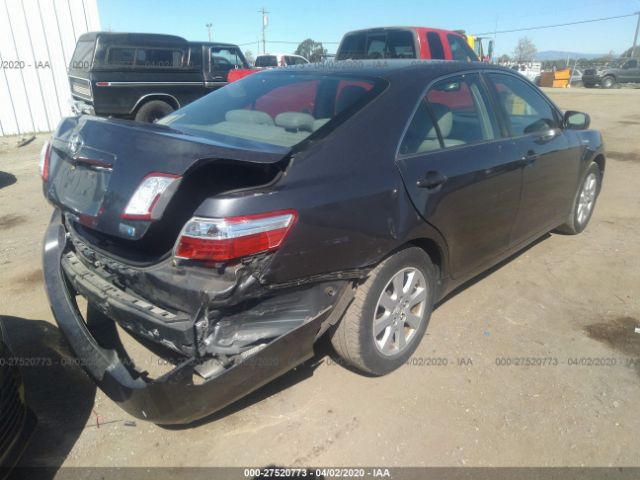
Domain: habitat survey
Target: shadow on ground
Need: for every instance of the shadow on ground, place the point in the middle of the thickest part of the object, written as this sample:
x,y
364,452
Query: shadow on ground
x,y
57,390
7,179
323,351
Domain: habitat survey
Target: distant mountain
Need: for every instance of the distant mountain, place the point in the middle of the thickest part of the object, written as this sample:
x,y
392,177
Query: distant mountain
x,y
558,55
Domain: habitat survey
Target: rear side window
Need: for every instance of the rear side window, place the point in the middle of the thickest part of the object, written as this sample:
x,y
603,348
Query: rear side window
x,y
460,50
121,56
267,61
159,57
455,113
147,57
526,110
435,46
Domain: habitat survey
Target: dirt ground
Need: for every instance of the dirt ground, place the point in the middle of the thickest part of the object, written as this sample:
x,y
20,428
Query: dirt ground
x,y
568,299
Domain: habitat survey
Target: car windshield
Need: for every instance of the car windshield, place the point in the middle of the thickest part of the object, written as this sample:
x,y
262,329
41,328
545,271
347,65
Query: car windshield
x,y
276,107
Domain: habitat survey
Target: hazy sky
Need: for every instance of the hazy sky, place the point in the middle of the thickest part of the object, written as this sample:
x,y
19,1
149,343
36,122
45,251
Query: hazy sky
x,y
238,21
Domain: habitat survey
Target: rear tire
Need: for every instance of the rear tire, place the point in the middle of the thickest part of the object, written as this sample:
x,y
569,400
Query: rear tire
x,y
584,202
152,111
389,314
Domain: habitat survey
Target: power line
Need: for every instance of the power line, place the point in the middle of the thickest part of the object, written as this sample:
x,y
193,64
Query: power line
x,y
557,25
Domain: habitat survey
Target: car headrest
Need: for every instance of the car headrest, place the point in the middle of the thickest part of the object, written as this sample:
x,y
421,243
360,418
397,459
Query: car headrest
x,y
295,121
348,96
444,118
248,116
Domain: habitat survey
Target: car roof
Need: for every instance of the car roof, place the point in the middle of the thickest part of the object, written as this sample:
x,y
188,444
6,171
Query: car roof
x,y
389,68
403,27
132,36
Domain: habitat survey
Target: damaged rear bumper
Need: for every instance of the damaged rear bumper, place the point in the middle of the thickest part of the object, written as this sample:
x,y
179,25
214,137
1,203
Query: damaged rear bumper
x,y
173,398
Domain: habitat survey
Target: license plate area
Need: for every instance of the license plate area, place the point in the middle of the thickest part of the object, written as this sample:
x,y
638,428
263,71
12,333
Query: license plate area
x,y
79,187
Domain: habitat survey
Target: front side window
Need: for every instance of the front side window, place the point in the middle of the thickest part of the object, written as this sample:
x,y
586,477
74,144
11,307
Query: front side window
x,y
460,50
279,108
526,110
632,64
454,113
225,59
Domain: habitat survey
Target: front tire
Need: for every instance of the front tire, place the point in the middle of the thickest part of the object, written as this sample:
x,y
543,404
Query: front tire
x,y
389,314
608,82
584,202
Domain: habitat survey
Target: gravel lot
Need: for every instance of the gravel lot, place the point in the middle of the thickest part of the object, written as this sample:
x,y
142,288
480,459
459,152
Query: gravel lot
x,y
568,299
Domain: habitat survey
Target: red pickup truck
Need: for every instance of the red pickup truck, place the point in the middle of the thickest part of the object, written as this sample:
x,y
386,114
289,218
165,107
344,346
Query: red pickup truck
x,y
396,42
405,42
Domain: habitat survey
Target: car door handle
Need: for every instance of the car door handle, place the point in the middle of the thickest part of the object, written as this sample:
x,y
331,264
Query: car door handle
x,y
431,180
530,157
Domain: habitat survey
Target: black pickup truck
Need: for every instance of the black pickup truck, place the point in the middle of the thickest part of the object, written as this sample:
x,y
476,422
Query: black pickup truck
x,y
145,76
623,71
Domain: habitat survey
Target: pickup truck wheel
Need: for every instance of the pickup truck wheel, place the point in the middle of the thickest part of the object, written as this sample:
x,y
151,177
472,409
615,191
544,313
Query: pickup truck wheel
x,y
152,111
608,82
389,314
584,202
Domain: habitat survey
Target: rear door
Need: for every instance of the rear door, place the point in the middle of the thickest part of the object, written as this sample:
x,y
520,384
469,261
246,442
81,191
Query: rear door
x,y
461,174
549,155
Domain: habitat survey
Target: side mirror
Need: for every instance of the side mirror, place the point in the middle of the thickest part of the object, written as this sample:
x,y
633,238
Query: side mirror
x,y
576,120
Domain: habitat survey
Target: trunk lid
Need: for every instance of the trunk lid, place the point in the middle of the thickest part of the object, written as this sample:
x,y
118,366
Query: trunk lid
x,y
97,164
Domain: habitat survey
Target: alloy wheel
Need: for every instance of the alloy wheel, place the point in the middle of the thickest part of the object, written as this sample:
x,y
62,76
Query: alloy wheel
x,y
400,311
587,198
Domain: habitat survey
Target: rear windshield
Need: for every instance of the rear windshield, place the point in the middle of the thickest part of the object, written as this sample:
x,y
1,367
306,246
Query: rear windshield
x,y
277,108
83,55
267,61
377,44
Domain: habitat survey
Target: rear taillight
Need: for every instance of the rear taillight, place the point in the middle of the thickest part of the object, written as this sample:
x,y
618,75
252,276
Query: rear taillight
x,y
222,239
43,166
147,195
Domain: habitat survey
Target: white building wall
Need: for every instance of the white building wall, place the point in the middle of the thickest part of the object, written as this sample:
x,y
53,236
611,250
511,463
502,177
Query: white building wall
x,y
37,39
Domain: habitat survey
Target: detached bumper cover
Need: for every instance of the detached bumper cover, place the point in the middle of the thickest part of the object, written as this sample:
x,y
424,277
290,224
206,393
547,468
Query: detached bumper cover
x,y
173,398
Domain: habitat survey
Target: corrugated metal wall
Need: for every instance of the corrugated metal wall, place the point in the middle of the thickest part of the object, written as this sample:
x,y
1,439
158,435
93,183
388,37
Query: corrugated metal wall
x,y
37,38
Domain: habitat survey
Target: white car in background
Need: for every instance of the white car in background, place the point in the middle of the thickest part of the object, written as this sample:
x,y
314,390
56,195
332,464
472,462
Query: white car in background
x,y
268,60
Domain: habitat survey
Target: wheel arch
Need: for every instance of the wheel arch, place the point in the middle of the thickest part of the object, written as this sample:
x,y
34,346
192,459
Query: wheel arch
x,y
164,97
600,161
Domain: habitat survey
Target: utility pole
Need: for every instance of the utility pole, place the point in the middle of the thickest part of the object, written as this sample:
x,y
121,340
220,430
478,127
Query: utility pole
x,y
265,22
635,37
209,25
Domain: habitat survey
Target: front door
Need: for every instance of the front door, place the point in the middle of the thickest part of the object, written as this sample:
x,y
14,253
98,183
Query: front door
x,y
550,160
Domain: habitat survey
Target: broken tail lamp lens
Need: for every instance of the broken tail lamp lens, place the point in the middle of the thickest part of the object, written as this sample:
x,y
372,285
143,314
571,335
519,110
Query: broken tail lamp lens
x,y
146,196
223,239
43,165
